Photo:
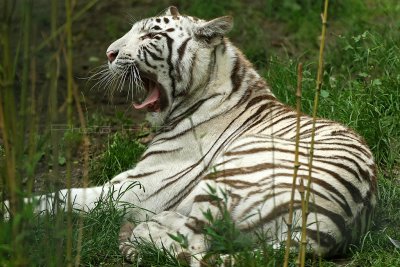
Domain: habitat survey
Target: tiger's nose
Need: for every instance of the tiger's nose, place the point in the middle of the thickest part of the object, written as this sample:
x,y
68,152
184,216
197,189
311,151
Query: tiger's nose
x,y
112,55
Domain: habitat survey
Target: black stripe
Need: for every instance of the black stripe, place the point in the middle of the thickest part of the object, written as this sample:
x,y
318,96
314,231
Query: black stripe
x,y
325,239
224,162
175,200
339,147
169,62
258,99
292,127
182,49
193,61
317,127
286,117
140,53
282,209
265,166
339,165
254,205
328,187
351,188
361,173
153,56
236,77
260,109
181,52
196,225
188,112
142,175
238,184
240,171
358,148
156,48
146,61
158,152
223,45
190,129
210,68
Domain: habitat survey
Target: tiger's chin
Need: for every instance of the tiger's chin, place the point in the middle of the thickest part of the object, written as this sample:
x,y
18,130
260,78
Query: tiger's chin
x,y
156,119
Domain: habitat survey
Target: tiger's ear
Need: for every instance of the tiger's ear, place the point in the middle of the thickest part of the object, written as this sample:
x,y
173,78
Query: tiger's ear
x,y
216,27
172,11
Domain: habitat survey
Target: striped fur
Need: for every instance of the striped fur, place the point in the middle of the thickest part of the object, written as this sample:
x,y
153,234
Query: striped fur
x,y
219,125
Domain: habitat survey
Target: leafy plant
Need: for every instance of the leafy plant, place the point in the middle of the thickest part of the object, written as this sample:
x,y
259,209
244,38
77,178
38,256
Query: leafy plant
x,y
122,152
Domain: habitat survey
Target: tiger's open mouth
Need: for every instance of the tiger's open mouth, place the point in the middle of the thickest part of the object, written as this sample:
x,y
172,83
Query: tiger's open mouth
x,y
152,97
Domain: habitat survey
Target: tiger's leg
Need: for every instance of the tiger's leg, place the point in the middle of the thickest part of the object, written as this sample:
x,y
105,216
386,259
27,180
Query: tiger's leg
x,y
322,233
160,228
82,199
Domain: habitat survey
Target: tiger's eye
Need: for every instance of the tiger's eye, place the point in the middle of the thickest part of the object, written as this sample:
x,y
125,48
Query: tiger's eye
x,y
149,35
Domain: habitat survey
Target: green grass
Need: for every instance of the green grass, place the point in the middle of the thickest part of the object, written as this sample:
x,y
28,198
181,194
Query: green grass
x,y
123,150
375,248
361,89
99,242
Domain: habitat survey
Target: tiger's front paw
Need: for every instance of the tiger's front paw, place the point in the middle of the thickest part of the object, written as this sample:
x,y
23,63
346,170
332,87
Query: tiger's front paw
x,y
128,251
126,246
157,234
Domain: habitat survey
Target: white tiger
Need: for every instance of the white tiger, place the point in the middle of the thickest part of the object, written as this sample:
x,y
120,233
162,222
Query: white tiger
x,y
221,126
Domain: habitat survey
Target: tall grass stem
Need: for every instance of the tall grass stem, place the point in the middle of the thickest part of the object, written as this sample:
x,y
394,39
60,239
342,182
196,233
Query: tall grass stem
x,y
62,28
86,144
305,205
68,32
296,163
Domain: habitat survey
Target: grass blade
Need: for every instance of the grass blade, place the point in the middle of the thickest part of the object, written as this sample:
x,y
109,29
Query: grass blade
x,y
305,201
296,163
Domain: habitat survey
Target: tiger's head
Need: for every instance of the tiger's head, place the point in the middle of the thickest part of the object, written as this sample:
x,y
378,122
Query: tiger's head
x,y
163,59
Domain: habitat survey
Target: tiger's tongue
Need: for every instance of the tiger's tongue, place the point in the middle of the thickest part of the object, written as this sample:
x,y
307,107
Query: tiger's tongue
x,y
153,96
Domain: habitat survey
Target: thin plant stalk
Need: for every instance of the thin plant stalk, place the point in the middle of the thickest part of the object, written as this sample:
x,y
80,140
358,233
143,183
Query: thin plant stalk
x,y
54,72
8,126
68,28
61,29
23,111
33,128
86,144
31,114
305,207
13,126
296,163
6,100
303,241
